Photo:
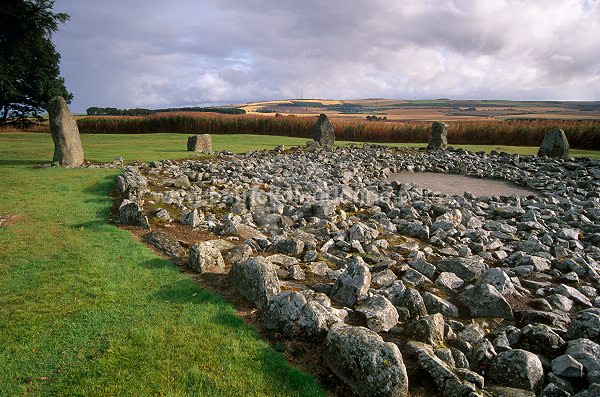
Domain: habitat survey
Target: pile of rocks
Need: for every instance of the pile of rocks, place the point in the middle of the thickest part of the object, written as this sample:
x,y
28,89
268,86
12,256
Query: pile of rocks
x,y
486,295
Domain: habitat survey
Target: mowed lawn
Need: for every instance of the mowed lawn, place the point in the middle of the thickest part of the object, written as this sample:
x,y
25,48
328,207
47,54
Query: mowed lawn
x,y
86,310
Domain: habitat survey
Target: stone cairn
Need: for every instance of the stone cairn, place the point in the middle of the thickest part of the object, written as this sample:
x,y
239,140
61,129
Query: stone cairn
x,y
200,143
324,133
555,144
65,134
475,295
439,136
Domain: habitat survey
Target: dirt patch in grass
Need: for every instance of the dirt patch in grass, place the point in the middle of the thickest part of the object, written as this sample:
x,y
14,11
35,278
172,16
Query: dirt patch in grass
x,y
7,220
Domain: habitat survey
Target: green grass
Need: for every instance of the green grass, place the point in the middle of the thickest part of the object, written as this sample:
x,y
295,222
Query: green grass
x,y
37,148
86,310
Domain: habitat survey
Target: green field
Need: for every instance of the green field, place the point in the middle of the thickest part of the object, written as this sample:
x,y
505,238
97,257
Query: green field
x,y
87,310
32,148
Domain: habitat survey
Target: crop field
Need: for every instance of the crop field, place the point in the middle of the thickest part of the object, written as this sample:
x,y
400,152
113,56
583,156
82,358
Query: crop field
x,y
582,134
503,123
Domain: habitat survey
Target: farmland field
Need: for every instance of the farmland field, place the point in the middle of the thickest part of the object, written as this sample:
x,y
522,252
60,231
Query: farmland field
x,y
501,123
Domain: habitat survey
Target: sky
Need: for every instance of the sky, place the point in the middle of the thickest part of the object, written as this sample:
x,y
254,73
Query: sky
x,y
156,54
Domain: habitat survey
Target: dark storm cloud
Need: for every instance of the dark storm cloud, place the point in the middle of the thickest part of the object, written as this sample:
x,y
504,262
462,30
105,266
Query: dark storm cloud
x,y
154,53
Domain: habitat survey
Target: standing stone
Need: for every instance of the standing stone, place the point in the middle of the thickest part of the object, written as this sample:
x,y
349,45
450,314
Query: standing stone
x,y
555,144
324,131
439,136
200,143
65,134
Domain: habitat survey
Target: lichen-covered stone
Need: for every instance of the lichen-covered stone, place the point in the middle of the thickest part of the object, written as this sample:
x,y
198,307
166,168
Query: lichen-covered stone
x,y
555,144
68,151
200,143
363,361
439,136
324,133
206,257
130,213
517,368
256,280
353,283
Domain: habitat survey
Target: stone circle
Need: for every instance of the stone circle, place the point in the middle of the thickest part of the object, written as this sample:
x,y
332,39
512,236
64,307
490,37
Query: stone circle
x,y
326,246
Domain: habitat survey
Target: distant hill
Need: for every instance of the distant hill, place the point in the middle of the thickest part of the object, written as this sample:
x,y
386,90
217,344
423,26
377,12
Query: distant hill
x,y
428,109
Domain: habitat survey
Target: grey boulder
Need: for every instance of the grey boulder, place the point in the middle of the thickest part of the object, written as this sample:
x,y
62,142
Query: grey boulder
x,y
366,363
586,352
484,300
468,269
200,143
130,213
516,368
256,280
439,136
206,257
380,313
303,315
586,324
353,283
567,366
429,329
166,243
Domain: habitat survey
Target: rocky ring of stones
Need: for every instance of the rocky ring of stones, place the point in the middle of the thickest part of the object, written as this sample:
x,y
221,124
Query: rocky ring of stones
x,y
480,295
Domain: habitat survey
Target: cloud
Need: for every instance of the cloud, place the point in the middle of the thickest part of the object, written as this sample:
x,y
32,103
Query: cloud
x,y
156,54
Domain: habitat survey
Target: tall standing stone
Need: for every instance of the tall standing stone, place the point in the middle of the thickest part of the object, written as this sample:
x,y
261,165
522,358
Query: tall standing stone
x,y
555,144
439,136
324,133
65,134
200,143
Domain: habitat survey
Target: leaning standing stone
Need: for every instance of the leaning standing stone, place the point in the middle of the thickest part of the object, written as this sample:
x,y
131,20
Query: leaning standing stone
x,y
439,136
65,134
200,143
324,131
555,144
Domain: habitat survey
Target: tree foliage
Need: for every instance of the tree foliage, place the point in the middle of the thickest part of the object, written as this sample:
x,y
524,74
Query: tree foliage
x,y
29,62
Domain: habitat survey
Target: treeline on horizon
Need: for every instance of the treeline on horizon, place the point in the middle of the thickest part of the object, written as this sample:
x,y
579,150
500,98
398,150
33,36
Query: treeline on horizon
x,y
582,134
109,111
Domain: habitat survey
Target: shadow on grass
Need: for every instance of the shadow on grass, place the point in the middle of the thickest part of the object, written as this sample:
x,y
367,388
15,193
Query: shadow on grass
x,y
186,291
280,374
23,162
273,366
95,225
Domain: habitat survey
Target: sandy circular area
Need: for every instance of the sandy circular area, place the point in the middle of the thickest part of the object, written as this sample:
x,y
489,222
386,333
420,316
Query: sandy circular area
x,y
458,184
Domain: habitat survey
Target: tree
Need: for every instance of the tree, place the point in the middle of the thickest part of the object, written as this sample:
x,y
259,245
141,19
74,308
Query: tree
x,y
29,62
